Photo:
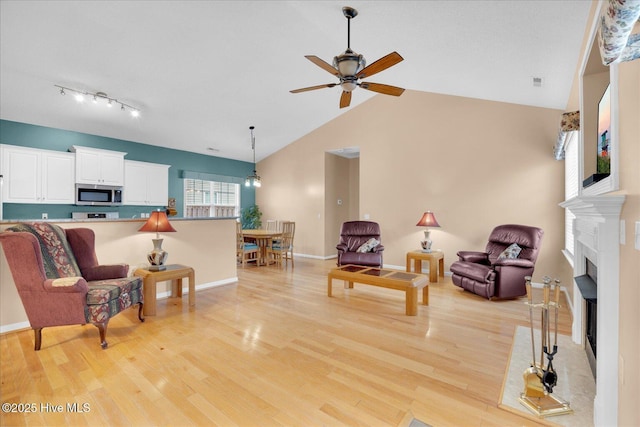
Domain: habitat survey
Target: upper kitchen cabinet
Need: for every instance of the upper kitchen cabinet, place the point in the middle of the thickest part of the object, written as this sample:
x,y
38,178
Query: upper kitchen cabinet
x,y
99,167
145,183
37,176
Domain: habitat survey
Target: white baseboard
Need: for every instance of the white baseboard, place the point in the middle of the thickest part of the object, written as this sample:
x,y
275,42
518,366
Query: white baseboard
x,y
562,289
425,268
25,325
185,290
314,256
14,327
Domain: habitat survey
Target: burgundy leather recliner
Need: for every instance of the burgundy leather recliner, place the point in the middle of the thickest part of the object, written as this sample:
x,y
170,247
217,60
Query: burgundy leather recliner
x,y
354,234
490,275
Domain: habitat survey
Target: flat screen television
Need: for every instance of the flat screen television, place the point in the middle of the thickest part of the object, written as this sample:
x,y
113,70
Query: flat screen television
x,y
604,133
603,146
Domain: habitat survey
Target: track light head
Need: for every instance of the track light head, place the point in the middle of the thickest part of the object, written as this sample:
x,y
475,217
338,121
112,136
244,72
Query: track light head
x,y
79,96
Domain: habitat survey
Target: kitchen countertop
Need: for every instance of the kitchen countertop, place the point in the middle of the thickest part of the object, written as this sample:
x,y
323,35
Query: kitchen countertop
x,y
71,220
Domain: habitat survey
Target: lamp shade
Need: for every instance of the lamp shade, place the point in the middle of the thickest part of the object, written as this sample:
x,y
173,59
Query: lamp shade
x,y
157,222
428,220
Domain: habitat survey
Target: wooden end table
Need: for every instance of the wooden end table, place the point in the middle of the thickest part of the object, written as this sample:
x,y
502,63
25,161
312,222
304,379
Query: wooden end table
x,y
436,263
173,272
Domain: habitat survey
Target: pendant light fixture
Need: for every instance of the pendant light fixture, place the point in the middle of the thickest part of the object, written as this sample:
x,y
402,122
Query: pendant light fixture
x,y
253,179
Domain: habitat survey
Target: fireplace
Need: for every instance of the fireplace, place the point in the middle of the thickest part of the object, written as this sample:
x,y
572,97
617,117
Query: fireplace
x,y
596,308
588,286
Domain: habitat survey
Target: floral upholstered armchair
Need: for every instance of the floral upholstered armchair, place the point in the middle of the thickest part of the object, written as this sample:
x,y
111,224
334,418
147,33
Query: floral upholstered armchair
x,y
60,282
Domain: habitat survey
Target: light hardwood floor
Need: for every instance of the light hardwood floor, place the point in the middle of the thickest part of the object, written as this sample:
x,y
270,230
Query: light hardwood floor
x,y
274,350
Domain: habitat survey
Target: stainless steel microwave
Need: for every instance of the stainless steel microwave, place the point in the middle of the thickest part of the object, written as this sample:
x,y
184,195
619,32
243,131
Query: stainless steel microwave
x,y
98,195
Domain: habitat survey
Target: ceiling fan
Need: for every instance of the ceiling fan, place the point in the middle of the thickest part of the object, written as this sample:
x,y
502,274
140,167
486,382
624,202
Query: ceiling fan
x,y
350,67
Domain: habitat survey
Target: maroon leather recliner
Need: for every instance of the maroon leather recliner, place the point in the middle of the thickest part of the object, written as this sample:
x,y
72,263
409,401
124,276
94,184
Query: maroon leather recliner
x,y
354,234
491,274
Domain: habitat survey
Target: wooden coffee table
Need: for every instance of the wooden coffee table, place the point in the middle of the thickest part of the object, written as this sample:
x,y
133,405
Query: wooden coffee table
x,y
392,279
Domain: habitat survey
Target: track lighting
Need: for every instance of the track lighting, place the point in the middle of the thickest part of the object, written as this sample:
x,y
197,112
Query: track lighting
x,y
97,96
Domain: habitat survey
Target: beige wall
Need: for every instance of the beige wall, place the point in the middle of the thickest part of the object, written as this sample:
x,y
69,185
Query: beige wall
x,y
342,196
336,184
354,189
629,125
475,163
206,245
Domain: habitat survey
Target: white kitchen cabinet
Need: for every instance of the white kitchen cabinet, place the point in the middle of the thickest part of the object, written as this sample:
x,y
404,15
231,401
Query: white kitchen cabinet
x,y
145,183
37,176
99,167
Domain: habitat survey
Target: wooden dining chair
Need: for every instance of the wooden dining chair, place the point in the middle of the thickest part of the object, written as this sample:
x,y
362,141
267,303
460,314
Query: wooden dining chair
x,y
244,251
281,249
272,225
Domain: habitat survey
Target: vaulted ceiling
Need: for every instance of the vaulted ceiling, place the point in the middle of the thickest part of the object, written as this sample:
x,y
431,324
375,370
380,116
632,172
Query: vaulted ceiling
x,y
202,72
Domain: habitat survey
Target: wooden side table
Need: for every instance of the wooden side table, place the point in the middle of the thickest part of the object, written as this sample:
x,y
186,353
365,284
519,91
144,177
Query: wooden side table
x,y
173,272
436,262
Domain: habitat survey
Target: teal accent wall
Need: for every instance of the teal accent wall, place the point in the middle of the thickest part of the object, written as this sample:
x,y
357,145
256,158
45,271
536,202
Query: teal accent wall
x,y
26,135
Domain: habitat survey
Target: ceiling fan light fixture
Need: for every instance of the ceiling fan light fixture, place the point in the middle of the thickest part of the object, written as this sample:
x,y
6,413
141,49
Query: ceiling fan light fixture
x,y
349,63
348,85
349,67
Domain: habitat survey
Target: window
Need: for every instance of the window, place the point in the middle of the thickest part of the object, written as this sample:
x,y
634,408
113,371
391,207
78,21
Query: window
x,y
571,183
204,198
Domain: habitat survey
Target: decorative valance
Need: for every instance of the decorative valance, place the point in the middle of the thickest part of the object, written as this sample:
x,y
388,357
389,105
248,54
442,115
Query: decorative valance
x,y
570,122
212,177
615,40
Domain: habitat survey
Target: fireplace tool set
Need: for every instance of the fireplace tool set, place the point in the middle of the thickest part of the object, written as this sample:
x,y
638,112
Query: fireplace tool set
x,y
539,380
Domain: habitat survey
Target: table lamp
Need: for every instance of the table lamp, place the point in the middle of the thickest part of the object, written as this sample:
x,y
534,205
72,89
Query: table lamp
x,y
157,222
428,220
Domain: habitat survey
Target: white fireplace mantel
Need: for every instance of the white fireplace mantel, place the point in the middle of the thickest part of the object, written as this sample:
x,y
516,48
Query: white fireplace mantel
x,y
597,237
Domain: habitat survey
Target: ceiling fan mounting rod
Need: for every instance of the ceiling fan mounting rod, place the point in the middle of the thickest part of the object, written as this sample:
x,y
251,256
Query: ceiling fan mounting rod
x,y
349,13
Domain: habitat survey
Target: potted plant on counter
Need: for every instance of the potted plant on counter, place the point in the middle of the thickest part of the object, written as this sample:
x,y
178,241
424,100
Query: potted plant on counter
x,y
251,218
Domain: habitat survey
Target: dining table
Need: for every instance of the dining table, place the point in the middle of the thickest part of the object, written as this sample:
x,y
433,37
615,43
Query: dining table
x,y
263,239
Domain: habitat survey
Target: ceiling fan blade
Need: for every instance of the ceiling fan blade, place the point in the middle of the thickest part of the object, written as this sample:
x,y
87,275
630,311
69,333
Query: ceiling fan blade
x,y
345,99
380,65
305,89
322,64
384,89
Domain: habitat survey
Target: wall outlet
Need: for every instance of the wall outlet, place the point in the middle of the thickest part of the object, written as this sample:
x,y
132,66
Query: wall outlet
x,y
45,215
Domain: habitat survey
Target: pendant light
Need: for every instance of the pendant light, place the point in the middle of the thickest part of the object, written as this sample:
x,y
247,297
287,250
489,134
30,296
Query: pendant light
x,y
253,179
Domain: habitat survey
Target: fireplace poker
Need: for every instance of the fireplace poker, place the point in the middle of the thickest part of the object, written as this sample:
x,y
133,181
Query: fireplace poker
x,y
549,376
533,385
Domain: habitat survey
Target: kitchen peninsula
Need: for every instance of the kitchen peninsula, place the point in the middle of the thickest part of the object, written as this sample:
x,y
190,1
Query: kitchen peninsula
x,y
206,244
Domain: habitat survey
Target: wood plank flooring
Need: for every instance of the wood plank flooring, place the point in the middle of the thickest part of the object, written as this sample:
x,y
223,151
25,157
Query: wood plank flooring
x,y
274,350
